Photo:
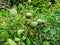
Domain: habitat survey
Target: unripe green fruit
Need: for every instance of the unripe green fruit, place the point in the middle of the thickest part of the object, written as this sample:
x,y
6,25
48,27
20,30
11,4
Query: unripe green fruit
x,y
28,14
40,21
17,39
20,31
33,24
28,21
13,12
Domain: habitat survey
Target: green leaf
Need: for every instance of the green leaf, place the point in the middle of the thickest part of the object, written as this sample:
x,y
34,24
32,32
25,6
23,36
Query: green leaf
x,y
1,30
23,37
53,31
50,20
45,29
11,42
46,43
58,26
27,41
6,43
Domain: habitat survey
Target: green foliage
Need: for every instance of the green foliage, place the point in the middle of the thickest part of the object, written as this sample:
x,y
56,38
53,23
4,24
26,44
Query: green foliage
x,y
41,4
30,25
46,43
27,41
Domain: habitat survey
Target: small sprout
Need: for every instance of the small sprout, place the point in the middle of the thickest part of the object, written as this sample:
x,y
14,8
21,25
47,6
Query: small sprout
x,y
33,24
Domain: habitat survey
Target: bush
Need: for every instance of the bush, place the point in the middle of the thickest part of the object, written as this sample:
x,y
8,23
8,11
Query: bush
x,y
27,25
